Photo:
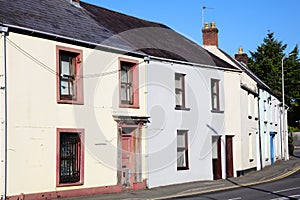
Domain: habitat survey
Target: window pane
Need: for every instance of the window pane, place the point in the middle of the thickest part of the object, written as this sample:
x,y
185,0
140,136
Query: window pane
x,y
178,81
65,65
181,159
180,140
124,76
123,92
64,87
179,98
129,94
214,87
215,102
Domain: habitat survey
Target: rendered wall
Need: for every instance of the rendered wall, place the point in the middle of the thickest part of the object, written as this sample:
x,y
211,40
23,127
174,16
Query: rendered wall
x,y
233,114
34,115
200,122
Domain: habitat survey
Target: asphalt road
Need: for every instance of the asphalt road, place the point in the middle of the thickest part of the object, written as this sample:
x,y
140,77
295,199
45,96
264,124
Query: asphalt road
x,y
284,189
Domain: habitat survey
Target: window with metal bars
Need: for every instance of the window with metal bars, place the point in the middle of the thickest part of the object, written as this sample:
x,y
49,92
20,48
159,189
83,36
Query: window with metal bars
x,y
69,158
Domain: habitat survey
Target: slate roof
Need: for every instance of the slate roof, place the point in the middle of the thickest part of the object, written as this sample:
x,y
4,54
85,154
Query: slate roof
x,y
101,26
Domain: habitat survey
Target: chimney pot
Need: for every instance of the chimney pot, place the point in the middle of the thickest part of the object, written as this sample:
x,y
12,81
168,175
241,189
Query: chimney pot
x,y
240,51
206,25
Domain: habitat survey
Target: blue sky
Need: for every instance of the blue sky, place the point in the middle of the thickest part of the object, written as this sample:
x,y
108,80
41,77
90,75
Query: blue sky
x,y
240,23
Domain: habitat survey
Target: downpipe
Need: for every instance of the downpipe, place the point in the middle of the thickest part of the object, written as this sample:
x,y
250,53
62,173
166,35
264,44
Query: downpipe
x,y
4,31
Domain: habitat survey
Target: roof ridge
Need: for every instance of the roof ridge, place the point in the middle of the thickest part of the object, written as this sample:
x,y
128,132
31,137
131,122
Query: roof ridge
x,y
127,15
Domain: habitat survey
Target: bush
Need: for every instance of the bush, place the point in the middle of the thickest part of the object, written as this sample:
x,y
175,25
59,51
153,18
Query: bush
x,y
291,145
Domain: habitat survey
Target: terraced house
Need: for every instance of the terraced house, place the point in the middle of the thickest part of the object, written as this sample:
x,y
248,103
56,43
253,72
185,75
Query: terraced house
x,y
95,101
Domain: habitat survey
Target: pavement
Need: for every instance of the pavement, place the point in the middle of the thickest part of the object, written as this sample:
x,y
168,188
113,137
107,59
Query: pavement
x,y
279,170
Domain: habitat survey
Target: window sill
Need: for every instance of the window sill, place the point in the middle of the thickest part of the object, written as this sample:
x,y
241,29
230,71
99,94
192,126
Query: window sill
x,y
69,184
70,102
129,106
182,108
182,168
217,111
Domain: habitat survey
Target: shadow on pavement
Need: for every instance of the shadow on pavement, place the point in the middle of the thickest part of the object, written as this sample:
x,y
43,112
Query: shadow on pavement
x,y
261,190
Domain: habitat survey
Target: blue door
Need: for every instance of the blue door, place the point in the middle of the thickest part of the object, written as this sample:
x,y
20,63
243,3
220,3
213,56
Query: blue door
x,y
272,136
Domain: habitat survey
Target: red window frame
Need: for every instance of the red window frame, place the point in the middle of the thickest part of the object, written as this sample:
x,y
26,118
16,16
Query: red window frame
x,y
76,79
132,84
79,155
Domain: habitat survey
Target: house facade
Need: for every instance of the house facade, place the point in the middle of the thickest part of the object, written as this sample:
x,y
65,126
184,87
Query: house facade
x,y
258,141
241,113
76,112
63,123
273,146
186,138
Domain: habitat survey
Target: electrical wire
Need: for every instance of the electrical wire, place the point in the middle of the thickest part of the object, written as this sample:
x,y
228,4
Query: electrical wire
x,y
49,69
31,57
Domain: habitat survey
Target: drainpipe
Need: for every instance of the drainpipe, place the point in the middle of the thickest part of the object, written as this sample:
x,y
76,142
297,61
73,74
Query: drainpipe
x,y
3,31
259,131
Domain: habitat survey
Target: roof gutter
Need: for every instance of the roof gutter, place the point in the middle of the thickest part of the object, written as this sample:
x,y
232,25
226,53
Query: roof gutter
x,y
193,64
75,40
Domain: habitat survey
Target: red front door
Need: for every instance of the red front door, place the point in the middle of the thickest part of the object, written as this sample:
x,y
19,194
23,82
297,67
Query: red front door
x,y
127,161
229,157
216,162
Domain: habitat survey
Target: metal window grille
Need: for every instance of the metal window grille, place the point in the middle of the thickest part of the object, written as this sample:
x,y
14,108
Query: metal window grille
x,y
69,158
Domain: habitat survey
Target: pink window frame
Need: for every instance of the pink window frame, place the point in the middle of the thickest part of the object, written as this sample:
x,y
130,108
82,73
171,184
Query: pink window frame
x,y
81,155
78,77
135,83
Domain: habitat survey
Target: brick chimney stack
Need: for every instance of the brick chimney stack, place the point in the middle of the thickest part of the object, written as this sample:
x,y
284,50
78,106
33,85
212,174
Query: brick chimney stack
x,y
241,56
210,34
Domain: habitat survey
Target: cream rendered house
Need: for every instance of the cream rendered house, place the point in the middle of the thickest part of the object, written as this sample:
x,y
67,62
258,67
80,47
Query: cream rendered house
x,y
75,109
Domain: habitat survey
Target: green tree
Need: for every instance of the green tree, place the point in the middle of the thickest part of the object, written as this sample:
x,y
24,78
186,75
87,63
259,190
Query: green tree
x,y
265,62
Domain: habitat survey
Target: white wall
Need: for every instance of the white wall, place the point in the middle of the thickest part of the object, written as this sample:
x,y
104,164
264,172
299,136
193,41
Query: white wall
x,y
246,143
233,114
201,123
